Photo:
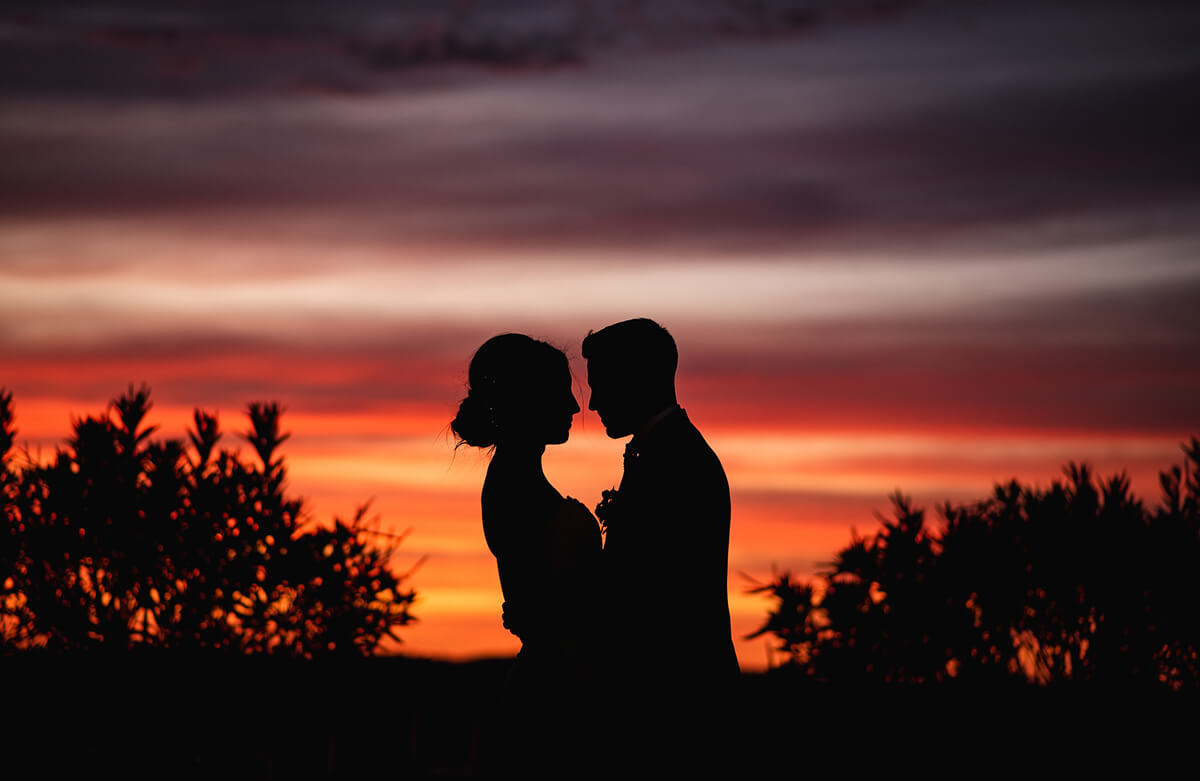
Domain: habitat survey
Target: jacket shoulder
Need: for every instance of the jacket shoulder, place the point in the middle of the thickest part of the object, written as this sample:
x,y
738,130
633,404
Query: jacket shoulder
x,y
681,452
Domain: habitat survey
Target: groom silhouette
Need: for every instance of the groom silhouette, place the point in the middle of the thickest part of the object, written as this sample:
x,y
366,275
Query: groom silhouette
x,y
666,549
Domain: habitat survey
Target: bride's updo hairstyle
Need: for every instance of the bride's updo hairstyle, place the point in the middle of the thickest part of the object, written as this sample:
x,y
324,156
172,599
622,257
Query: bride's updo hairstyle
x,y
506,387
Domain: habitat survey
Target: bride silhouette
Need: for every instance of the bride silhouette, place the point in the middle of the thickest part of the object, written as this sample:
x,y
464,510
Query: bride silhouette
x,y
547,546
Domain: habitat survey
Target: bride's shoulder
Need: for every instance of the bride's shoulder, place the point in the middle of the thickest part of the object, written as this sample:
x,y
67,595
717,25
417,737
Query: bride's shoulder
x,y
572,505
576,513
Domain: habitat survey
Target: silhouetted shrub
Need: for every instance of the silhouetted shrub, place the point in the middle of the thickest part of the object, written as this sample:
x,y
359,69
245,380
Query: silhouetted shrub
x,y
1077,582
123,542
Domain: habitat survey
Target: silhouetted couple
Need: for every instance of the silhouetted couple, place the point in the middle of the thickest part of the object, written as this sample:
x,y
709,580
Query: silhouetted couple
x,y
626,650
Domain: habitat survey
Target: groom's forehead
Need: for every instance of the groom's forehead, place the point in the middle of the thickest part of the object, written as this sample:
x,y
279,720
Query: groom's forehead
x,y
614,367
611,364
598,371
601,367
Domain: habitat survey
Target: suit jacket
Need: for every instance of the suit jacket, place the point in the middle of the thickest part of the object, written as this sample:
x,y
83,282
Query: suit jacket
x,y
666,558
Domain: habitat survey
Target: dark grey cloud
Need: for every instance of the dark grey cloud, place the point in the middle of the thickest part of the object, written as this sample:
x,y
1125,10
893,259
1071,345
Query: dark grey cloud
x,y
197,48
1020,130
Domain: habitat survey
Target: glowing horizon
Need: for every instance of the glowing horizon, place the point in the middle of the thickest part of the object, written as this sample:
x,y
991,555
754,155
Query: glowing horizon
x,y
796,496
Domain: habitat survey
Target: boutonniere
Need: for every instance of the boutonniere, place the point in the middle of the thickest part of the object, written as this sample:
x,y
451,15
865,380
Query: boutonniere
x,y
631,452
609,508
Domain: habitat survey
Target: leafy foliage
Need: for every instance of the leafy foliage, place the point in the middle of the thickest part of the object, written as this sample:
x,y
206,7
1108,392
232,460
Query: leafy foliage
x,y
1077,582
122,541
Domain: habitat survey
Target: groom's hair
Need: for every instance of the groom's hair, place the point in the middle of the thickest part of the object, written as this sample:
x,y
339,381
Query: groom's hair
x,y
642,346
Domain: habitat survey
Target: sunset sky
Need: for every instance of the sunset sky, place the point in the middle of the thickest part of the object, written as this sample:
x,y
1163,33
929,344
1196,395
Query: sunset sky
x,y
914,245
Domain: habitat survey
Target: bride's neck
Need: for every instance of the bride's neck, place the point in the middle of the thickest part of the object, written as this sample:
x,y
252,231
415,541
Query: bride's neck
x,y
519,456
515,481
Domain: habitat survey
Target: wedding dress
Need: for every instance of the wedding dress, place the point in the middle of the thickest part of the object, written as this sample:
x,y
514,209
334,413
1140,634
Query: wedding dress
x,y
550,575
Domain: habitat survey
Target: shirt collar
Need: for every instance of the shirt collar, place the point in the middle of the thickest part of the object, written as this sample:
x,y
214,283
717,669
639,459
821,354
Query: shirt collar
x,y
654,421
631,449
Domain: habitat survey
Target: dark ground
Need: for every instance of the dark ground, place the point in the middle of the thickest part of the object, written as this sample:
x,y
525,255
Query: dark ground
x,y
154,717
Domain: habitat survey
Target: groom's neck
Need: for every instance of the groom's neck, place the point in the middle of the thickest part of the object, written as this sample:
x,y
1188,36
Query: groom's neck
x,y
652,421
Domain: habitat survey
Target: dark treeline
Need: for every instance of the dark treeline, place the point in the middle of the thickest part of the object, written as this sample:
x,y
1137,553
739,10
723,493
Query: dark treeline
x,y
1077,582
122,542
